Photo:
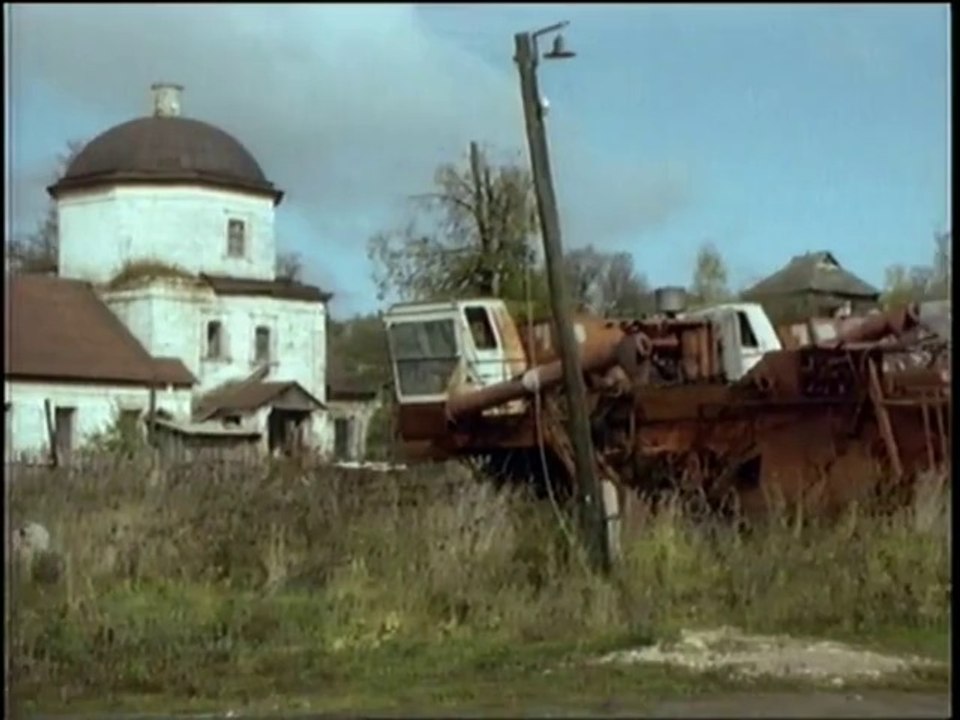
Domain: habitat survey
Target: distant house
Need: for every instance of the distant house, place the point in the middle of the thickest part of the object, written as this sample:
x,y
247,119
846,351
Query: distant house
x,y
814,284
74,369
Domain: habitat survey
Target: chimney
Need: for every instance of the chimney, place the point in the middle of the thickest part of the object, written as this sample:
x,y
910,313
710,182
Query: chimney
x,y
166,99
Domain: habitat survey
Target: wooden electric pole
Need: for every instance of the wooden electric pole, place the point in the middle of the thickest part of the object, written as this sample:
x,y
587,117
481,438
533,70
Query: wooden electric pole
x,y
588,487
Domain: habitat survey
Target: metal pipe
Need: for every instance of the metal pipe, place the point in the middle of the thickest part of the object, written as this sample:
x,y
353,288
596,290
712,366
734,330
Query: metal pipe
x,y
876,327
595,356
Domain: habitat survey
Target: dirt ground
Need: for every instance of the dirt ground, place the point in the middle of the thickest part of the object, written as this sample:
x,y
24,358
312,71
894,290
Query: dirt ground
x,y
872,704
828,664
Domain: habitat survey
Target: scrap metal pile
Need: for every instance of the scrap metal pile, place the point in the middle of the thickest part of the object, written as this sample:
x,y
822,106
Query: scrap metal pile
x,y
822,413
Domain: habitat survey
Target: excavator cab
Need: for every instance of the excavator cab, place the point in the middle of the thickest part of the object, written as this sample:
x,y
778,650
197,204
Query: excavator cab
x,y
440,347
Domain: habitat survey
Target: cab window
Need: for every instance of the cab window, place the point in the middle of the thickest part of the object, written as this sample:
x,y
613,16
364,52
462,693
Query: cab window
x,y
480,328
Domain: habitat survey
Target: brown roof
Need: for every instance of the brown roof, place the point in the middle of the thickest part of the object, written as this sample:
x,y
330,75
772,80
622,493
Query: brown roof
x,y
283,289
246,395
59,329
351,392
342,386
166,149
817,272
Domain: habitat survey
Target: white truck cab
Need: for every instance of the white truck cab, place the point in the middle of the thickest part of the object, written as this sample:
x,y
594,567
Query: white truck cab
x,y
745,333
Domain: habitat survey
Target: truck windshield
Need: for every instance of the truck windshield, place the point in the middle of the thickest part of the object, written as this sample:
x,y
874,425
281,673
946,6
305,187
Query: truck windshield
x,y
425,355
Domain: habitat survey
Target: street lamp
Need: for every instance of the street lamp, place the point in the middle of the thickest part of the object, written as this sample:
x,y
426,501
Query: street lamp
x,y
592,511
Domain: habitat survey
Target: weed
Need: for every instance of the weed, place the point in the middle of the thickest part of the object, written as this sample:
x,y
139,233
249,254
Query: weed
x,y
284,578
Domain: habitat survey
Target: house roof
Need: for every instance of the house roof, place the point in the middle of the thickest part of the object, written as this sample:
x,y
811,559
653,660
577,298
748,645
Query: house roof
x,y
340,386
282,289
351,392
206,429
817,272
59,329
246,396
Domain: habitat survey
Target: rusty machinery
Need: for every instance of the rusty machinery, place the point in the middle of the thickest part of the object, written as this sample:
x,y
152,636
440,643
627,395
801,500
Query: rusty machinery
x,y
838,419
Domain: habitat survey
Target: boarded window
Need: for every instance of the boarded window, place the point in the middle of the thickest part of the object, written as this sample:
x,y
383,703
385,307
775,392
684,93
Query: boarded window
x,y
342,436
747,337
480,328
261,342
64,421
236,237
215,343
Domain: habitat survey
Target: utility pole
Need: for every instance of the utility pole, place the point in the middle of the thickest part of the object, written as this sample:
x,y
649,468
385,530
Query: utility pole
x,y
588,487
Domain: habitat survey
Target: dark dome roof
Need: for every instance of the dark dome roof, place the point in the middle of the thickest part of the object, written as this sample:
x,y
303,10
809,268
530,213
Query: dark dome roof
x,y
165,149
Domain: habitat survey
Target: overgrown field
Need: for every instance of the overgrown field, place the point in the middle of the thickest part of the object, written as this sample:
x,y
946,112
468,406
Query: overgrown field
x,y
219,584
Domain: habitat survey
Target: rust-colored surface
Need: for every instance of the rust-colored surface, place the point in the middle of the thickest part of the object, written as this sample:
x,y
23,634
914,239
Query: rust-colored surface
x,y
858,411
597,353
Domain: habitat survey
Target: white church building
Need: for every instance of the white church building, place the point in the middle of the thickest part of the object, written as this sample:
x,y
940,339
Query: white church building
x,y
169,223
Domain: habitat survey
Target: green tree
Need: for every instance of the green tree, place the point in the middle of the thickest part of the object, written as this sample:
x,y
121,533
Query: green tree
x,y
709,277
469,237
37,252
357,351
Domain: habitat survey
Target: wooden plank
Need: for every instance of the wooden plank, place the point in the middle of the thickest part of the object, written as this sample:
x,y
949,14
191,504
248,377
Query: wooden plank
x,y
883,421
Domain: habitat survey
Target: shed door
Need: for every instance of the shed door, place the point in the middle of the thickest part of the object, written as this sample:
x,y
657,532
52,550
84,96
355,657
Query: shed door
x,y
64,421
341,438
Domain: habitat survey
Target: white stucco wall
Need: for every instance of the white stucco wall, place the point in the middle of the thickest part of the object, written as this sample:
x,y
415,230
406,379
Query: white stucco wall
x,y
97,407
170,319
101,230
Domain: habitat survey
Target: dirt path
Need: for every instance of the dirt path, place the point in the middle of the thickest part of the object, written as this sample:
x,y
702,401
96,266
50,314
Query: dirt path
x,y
873,704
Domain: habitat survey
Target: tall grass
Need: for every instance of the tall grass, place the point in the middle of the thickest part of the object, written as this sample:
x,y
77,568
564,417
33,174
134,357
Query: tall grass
x,y
274,576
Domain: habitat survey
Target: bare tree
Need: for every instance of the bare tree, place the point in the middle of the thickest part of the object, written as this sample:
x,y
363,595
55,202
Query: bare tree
x,y
606,283
38,251
289,266
710,276
470,236
920,282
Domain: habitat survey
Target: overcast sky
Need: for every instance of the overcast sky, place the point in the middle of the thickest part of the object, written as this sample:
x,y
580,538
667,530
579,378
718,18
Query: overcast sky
x,y
767,130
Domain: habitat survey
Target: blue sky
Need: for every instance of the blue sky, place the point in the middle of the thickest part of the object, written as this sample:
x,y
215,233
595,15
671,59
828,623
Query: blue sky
x,y
767,130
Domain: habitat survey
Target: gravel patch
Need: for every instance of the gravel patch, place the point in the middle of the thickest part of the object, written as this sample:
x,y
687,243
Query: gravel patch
x,y
753,656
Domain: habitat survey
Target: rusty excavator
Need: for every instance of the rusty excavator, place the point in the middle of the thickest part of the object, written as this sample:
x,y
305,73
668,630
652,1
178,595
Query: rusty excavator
x,y
713,401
